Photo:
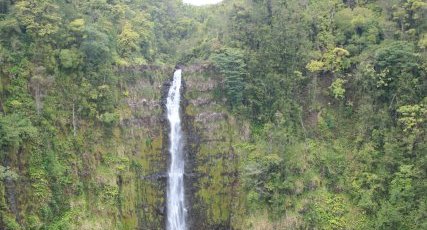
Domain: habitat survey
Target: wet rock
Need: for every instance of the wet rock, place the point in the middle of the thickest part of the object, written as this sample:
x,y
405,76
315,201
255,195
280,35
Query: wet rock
x,y
155,176
143,103
202,86
198,102
206,117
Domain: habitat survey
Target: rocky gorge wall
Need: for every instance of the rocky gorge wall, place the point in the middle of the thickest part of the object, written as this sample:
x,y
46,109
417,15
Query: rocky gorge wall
x,y
114,177
213,165
101,177
213,191
212,186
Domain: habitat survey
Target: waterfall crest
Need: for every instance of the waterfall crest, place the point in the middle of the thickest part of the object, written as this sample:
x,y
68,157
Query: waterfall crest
x,y
175,193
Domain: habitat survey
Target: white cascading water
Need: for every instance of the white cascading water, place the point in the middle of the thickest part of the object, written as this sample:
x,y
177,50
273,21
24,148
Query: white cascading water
x,y
175,194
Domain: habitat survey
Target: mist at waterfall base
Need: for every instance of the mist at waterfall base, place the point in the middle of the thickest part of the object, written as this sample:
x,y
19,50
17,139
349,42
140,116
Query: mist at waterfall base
x,y
176,212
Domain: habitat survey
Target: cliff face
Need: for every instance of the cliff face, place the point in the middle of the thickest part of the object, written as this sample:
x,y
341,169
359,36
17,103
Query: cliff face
x,y
115,176
213,165
127,176
213,191
101,177
145,142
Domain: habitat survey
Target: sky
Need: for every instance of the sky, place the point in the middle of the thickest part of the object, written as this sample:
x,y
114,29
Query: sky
x,y
201,2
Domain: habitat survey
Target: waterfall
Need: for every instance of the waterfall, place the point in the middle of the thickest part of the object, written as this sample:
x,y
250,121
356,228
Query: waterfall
x,y
175,193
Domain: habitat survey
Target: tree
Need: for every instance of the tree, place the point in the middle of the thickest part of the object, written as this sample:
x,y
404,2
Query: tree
x,y
128,41
40,18
232,66
96,47
398,73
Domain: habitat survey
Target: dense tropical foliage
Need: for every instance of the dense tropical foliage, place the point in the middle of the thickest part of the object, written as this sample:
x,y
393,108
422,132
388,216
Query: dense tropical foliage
x,y
334,92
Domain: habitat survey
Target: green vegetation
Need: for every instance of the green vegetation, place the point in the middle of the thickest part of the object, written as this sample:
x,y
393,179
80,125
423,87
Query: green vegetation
x,y
335,94
311,114
69,158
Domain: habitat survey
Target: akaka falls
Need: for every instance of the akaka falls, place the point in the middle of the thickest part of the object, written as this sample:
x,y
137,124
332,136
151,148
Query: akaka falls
x,y
175,192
